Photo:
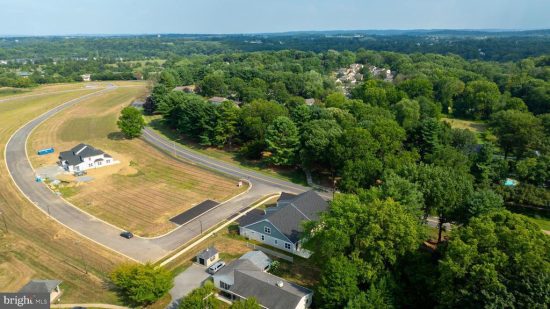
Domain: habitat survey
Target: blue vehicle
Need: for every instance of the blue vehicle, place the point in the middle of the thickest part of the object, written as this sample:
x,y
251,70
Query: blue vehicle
x,y
46,151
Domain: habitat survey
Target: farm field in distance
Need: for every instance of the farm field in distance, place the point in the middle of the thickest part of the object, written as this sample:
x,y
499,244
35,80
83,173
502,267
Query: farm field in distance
x,y
36,246
145,189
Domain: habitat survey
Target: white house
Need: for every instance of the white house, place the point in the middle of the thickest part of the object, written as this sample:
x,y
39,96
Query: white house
x,y
247,277
84,157
86,77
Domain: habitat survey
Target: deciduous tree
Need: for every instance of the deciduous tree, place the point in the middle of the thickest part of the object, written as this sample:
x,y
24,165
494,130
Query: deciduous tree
x,y
130,122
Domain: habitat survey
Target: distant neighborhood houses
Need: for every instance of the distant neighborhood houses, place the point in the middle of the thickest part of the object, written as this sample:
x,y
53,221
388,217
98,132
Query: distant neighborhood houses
x,y
86,77
282,226
348,77
248,277
84,157
383,73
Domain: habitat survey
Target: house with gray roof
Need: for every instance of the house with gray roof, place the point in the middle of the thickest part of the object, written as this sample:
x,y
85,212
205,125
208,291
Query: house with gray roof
x,y
50,287
208,256
84,157
247,277
281,226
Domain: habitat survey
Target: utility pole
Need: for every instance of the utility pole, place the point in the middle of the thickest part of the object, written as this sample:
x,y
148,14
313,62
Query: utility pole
x,y
200,221
5,223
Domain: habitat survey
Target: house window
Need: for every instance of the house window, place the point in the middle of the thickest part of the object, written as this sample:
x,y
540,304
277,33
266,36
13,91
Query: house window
x,y
99,163
275,241
108,161
90,164
267,230
224,285
262,237
287,246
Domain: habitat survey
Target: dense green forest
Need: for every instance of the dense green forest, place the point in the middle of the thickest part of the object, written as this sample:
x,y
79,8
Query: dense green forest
x,y
390,150
65,59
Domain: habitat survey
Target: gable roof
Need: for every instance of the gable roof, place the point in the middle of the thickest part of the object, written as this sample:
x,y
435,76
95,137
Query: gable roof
x,y
237,264
285,197
303,207
40,286
270,291
77,154
208,253
258,258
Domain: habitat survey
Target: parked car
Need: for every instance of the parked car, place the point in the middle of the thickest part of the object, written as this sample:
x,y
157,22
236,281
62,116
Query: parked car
x,y
127,234
214,268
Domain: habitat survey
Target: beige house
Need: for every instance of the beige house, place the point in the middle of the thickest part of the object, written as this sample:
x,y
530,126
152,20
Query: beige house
x,y
208,257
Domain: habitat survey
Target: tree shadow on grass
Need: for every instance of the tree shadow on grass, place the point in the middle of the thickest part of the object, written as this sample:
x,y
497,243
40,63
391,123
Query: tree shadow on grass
x,y
115,136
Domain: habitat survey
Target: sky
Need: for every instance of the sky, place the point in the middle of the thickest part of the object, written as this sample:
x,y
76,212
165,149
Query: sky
x,y
61,17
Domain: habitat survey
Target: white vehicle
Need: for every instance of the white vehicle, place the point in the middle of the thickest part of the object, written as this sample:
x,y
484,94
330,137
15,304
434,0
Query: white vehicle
x,y
214,268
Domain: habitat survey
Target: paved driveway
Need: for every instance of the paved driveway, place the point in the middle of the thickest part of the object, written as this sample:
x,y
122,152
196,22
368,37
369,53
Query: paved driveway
x,y
186,282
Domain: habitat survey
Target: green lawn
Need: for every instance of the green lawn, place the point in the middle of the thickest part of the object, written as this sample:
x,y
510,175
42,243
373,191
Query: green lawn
x,y
540,217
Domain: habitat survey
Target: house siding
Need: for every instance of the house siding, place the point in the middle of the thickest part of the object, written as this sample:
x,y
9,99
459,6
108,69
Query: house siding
x,y
85,165
275,239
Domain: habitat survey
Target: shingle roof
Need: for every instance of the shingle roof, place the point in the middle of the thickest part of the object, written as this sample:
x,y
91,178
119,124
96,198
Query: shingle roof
x,y
237,264
76,154
304,207
263,286
208,253
40,286
286,197
258,258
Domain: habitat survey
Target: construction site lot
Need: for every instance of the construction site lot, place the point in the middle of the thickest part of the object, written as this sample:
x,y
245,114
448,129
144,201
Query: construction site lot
x,y
34,246
142,192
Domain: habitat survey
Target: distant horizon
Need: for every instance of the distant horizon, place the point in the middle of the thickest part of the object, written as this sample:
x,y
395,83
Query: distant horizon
x,y
224,17
496,30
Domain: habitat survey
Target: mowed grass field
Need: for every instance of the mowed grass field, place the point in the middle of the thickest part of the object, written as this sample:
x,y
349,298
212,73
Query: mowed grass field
x,y
146,188
37,247
474,126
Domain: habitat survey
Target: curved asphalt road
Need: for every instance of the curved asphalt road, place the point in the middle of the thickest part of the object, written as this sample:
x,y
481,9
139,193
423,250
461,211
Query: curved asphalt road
x,y
137,248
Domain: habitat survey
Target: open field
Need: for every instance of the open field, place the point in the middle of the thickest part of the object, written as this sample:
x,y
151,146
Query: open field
x,y
146,188
474,126
37,247
289,174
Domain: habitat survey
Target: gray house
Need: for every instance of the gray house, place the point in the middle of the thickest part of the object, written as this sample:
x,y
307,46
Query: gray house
x,y
281,226
247,277
50,287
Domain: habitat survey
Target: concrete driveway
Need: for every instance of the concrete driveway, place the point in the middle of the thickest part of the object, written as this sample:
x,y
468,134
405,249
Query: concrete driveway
x,y
187,281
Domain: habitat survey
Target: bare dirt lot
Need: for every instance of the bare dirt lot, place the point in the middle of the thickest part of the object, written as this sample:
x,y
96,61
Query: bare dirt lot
x,y
146,188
